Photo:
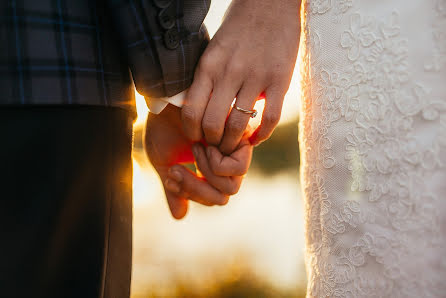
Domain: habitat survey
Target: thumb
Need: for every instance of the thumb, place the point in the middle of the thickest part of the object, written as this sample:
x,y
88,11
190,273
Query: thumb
x,y
178,205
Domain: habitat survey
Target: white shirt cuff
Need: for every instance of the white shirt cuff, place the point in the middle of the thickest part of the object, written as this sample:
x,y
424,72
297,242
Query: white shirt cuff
x,y
157,105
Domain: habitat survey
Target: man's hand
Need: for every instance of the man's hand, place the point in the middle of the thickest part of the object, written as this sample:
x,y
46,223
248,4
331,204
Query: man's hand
x,y
254,51
168,147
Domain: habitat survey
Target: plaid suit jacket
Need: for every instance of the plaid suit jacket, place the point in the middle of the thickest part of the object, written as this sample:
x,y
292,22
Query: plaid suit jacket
x,y
88,51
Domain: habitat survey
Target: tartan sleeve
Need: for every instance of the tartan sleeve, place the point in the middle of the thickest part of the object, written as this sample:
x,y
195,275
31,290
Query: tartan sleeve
x,y
163,40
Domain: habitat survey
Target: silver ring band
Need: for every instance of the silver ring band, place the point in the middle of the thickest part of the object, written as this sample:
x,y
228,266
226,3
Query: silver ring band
x,y
252,113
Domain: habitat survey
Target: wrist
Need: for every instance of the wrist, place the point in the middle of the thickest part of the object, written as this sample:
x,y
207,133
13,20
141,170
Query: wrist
x,y
171,115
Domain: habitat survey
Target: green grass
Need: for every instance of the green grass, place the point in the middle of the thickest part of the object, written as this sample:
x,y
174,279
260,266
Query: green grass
x,y
280,152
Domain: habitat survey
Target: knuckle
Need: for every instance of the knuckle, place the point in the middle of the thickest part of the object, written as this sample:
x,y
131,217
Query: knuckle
x,y
259,75
235,127
215,168
190,116
232,189
206,64
223,200
271,120
191,193
235,68
278,74
279,71
210,128
242,170
210,61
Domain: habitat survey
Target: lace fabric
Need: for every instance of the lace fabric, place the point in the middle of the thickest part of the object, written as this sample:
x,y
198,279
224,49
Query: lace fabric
x,y
373,146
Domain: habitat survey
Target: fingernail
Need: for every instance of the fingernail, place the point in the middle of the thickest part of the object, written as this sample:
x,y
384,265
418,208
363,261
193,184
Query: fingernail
x,y
254,143
175,175
172,186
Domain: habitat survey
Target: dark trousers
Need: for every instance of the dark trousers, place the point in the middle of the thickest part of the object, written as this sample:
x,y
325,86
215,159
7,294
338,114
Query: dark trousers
x,y
65,202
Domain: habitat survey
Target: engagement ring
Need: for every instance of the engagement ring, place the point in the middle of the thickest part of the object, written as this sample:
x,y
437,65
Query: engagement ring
x,y
252,113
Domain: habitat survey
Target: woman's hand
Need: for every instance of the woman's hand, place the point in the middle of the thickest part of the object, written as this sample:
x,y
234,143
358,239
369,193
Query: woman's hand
x,y
254,51
219,176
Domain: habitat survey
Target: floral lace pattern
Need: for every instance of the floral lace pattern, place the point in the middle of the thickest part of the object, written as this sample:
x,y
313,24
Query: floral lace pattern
x,y
439,36
373,146
339,7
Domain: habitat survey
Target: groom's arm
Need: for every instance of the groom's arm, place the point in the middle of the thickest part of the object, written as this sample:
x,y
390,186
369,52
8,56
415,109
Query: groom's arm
x,y
163,41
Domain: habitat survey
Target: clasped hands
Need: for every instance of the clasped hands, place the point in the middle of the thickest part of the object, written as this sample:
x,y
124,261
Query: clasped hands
x,y
218,176
252,54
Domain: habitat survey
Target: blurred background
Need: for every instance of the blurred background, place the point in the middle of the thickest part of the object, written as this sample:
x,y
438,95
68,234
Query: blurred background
x,y
252,247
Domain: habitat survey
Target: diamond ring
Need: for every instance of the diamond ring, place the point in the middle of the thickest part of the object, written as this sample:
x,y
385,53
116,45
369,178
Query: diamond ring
x,y
252,113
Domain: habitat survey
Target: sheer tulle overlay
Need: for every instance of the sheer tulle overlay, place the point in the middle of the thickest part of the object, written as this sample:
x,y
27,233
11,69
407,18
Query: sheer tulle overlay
x,y
373,146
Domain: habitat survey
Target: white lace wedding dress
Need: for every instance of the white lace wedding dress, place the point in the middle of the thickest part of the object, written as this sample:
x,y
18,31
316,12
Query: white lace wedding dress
x,y
373,147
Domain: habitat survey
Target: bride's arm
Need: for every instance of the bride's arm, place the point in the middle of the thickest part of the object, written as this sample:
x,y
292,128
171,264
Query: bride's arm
x,y
254,51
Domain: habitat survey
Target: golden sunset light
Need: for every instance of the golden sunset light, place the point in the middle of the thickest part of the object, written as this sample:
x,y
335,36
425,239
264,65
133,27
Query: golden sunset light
x,y
255,242
297,151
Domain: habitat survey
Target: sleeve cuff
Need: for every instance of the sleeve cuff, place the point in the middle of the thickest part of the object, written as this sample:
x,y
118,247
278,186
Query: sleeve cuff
x,y
157,105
